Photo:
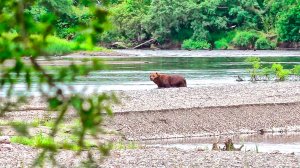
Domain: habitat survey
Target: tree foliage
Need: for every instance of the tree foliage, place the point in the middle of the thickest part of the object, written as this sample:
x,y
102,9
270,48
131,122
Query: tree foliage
x,y
245,39
288,24
264,44
128,17
25,26
200,20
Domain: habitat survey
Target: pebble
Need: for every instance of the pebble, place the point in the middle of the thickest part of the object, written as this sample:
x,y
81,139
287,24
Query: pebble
x,y
4,140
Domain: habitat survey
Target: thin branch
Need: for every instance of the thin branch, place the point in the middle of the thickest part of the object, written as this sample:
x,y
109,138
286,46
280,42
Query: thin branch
x,y
37,66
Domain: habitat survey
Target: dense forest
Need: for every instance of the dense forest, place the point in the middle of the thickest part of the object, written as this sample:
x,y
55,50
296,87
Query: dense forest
x,y
188,24
202,24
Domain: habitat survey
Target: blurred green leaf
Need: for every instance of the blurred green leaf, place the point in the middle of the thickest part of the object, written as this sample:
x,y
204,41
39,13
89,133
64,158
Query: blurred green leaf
x,y
21,128
54,103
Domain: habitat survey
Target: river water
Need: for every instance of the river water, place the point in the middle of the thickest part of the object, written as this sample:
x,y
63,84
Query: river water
x,y
281,142
200,68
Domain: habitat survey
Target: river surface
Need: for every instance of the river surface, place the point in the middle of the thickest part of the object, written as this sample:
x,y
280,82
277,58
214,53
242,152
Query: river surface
x,y
281,142
200,68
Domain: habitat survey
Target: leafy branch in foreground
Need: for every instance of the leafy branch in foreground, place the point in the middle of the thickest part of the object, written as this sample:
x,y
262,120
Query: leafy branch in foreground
x,y
19,62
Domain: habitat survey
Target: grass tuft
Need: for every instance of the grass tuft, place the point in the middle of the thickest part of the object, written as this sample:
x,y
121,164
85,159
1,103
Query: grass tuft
x,y
39,140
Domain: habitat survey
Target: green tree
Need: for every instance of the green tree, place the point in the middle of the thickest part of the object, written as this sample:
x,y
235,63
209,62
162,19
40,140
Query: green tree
x,y
22,38
288,24
167,18
127,17
203,20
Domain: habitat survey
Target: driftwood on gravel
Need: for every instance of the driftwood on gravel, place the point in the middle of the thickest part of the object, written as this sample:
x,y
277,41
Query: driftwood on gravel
x,y
145,43
228,146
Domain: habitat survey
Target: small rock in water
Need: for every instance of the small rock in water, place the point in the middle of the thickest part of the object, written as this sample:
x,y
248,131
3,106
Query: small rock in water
x,y
4,140
239,79
5,147
275,152
216,146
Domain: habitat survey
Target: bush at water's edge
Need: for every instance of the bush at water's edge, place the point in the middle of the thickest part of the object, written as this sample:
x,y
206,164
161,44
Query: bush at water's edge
x,y
58,46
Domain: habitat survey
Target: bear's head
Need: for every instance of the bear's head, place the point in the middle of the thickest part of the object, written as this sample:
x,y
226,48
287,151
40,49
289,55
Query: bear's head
x,y
153,76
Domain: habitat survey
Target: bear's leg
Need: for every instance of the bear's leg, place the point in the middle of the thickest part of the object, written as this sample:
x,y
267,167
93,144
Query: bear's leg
x,y
182,84
167,86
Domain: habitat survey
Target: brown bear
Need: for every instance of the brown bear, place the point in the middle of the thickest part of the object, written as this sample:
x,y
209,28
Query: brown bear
x,y
166,81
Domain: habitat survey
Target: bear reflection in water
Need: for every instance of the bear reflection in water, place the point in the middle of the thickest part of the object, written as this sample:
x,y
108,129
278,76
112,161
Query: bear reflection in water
x,y
166,81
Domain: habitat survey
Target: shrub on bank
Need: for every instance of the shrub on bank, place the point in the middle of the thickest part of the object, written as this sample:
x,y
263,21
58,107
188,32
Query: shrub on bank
x,y
55,45
245,40
221,44
296,70
280,73
277,71
193,44
264,44
223,40
256,64
58,46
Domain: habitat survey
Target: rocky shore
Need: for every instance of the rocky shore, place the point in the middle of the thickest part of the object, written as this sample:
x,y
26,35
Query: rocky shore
x,y
212,96
186,112
13,156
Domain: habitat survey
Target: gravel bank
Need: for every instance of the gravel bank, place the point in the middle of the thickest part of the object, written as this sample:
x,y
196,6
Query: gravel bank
x,y
193,97
15,156
228,95
11,157
178,158
212,53
177,112
208,121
